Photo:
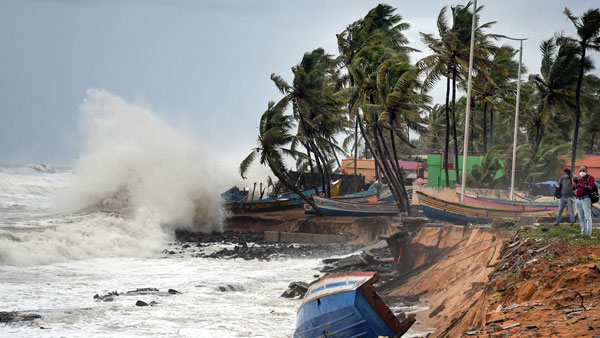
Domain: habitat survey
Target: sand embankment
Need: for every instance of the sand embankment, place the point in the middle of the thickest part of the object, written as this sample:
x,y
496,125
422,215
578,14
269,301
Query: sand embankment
x,y
447,269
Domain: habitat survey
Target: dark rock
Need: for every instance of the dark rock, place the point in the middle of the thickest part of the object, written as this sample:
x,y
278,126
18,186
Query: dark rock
x,y
289,293
142,291
173,291
230,287
14,316
141,303
109,297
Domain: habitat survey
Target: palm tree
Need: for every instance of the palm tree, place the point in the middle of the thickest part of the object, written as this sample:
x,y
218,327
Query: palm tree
x,y
591,106
273,135
493,83
316,108
368,44
588,31
435,124
450,59
379,21
554,89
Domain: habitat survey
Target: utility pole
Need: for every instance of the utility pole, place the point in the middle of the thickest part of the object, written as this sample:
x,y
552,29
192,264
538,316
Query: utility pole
x,y
514,154
467,116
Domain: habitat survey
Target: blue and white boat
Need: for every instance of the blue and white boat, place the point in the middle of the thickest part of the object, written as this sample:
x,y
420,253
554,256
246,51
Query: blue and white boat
x,y
346,305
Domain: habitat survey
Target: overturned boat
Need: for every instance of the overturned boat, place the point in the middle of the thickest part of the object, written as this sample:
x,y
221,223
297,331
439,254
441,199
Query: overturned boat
x,y
346,305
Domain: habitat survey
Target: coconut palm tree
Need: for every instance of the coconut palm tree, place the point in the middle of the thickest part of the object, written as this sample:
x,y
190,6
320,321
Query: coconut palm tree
x,y
273,136
435,128
365,46
451,57
494,83
588,32
316,108
379,21
554,99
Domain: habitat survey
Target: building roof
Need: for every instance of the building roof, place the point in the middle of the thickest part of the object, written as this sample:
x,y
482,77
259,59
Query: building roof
x,y
590,161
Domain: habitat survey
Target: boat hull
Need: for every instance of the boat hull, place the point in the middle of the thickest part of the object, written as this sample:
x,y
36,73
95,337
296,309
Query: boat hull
x,y
450,217
452,212
346,305
509,205
332,207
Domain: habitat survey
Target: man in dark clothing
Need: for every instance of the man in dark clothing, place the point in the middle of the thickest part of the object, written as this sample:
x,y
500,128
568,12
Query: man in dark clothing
x,y
584,186
566,193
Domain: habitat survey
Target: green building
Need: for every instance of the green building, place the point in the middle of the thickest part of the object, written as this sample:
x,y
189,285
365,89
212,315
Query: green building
x,y
436,176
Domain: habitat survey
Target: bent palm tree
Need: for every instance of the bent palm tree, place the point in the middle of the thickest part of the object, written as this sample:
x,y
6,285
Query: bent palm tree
x,y
273,135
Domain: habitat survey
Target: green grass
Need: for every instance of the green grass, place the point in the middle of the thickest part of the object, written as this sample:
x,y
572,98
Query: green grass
x,y
566,232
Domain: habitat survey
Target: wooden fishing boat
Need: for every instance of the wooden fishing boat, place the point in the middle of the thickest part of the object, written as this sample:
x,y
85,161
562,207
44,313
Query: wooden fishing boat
x,y
268,205
452,212
346,305
282,202
508,205
334,187
367,195
332,207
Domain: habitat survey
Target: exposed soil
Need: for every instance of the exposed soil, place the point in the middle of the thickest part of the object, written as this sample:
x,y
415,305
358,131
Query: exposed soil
x,y
450,268
540,289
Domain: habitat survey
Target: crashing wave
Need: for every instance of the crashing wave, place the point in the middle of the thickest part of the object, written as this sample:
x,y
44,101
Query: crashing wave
x,y
42,168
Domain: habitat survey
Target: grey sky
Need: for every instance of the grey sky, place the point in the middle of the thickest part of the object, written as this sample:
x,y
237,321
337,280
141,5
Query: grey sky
x,y
203,66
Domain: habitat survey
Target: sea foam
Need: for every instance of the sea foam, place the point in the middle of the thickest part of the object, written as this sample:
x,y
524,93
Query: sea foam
x,y
137,181
136,158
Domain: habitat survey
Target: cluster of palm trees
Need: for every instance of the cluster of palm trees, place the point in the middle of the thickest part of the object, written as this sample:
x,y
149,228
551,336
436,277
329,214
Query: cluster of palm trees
x,y
373,97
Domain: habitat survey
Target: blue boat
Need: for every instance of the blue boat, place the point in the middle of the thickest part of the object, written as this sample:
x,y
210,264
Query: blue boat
x,y
346,305
234,194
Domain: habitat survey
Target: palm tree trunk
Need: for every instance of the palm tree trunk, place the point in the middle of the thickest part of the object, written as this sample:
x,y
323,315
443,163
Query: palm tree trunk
x,y
370,147
447,144
326,170
323,167
391,178
355,144
491,125
320,169
334,154
392,171
306,133
399,172
471,122
454,120
312,170
485,105
377,179
577,108
292,187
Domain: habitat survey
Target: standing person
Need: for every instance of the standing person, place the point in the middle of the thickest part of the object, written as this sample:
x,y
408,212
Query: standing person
x,y
566,193
584,186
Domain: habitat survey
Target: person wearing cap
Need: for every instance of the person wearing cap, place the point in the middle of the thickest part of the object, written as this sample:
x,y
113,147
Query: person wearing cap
x,y
566,193
584,186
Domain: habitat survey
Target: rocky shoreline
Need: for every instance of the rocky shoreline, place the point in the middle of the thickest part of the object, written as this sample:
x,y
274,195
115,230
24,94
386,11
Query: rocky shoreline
x,y
248,245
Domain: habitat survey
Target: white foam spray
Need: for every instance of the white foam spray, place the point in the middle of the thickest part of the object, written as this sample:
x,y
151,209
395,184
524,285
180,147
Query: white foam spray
x,y
132,154
138,180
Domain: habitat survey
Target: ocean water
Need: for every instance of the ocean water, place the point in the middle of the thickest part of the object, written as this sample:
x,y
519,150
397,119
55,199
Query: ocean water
x,y
69,234
53,264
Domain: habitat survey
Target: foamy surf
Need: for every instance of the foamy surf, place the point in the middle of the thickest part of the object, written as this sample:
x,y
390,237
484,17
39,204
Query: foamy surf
x,y
137,181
